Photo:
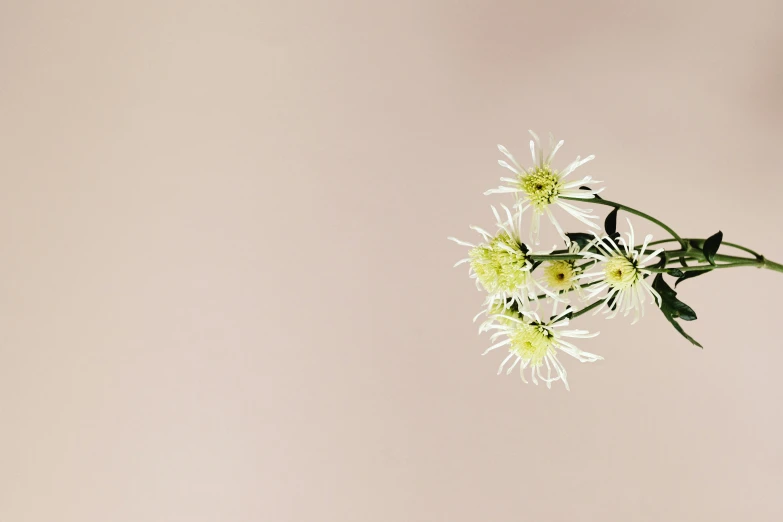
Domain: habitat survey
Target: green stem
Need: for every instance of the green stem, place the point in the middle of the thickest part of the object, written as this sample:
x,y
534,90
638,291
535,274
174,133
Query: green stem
x,y
694,252
735,262
700,267
602,201
586,309
771,265
552,257
699,243
691,251
659,242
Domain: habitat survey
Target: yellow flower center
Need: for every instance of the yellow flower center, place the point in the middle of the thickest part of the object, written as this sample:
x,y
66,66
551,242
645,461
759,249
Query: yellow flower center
x,y
620,272
542,186
500,269
531,342
560,275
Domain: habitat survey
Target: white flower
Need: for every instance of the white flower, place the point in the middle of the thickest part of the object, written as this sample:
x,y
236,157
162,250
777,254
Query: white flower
x,y
563,275
533,343
623,274
501,265
541,186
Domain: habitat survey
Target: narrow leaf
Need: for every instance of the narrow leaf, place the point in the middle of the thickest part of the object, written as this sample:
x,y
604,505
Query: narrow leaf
x,y
691,273
711,246
610,303
660,286
580,238
672,308
683,333
610,224
683,311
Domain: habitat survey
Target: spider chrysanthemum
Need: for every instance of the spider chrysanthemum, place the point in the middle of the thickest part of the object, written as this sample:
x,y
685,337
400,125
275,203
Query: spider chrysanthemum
x,y
541,186
622,274
501,264
534,344
562,275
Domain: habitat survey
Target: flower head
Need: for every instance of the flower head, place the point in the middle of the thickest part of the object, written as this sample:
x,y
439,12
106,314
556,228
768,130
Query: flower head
x,y
501,264
622,273
535,344
562,275
541,186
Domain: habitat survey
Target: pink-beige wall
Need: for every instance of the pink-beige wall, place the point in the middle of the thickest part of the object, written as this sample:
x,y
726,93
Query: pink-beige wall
x,y
226,292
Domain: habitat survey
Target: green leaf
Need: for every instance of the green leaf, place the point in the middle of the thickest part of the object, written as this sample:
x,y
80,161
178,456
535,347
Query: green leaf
x,y
580,238
610,224
689,274
676,272
611,302
683,333
672,308
711,246
671,304
666,292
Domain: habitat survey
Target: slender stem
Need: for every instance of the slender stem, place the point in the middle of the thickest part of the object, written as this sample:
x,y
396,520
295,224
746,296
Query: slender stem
x,y
759,263
602,201
691,249
771,265
586,309
695,268
699,243
732,259
551,257
658,242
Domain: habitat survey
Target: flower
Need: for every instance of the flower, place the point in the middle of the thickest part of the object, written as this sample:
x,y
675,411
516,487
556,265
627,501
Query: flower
x,y
502,265
533,343
623,274
541,186
562,275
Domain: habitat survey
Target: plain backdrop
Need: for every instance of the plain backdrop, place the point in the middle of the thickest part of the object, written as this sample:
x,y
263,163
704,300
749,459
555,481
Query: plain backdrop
x,y
226,292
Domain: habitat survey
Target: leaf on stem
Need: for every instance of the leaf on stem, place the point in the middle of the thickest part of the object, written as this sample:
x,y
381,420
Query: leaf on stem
x,y
711,246
672,308
689,274
580,238
611,302
610,224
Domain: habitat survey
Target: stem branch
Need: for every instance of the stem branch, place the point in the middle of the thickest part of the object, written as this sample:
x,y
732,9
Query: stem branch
x,y
602,201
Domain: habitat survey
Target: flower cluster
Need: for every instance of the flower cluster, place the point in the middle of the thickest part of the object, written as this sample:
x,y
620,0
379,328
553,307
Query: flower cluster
x,y
603,272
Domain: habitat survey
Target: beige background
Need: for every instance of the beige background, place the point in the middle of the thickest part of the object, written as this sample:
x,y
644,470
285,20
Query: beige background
x,y
226,292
